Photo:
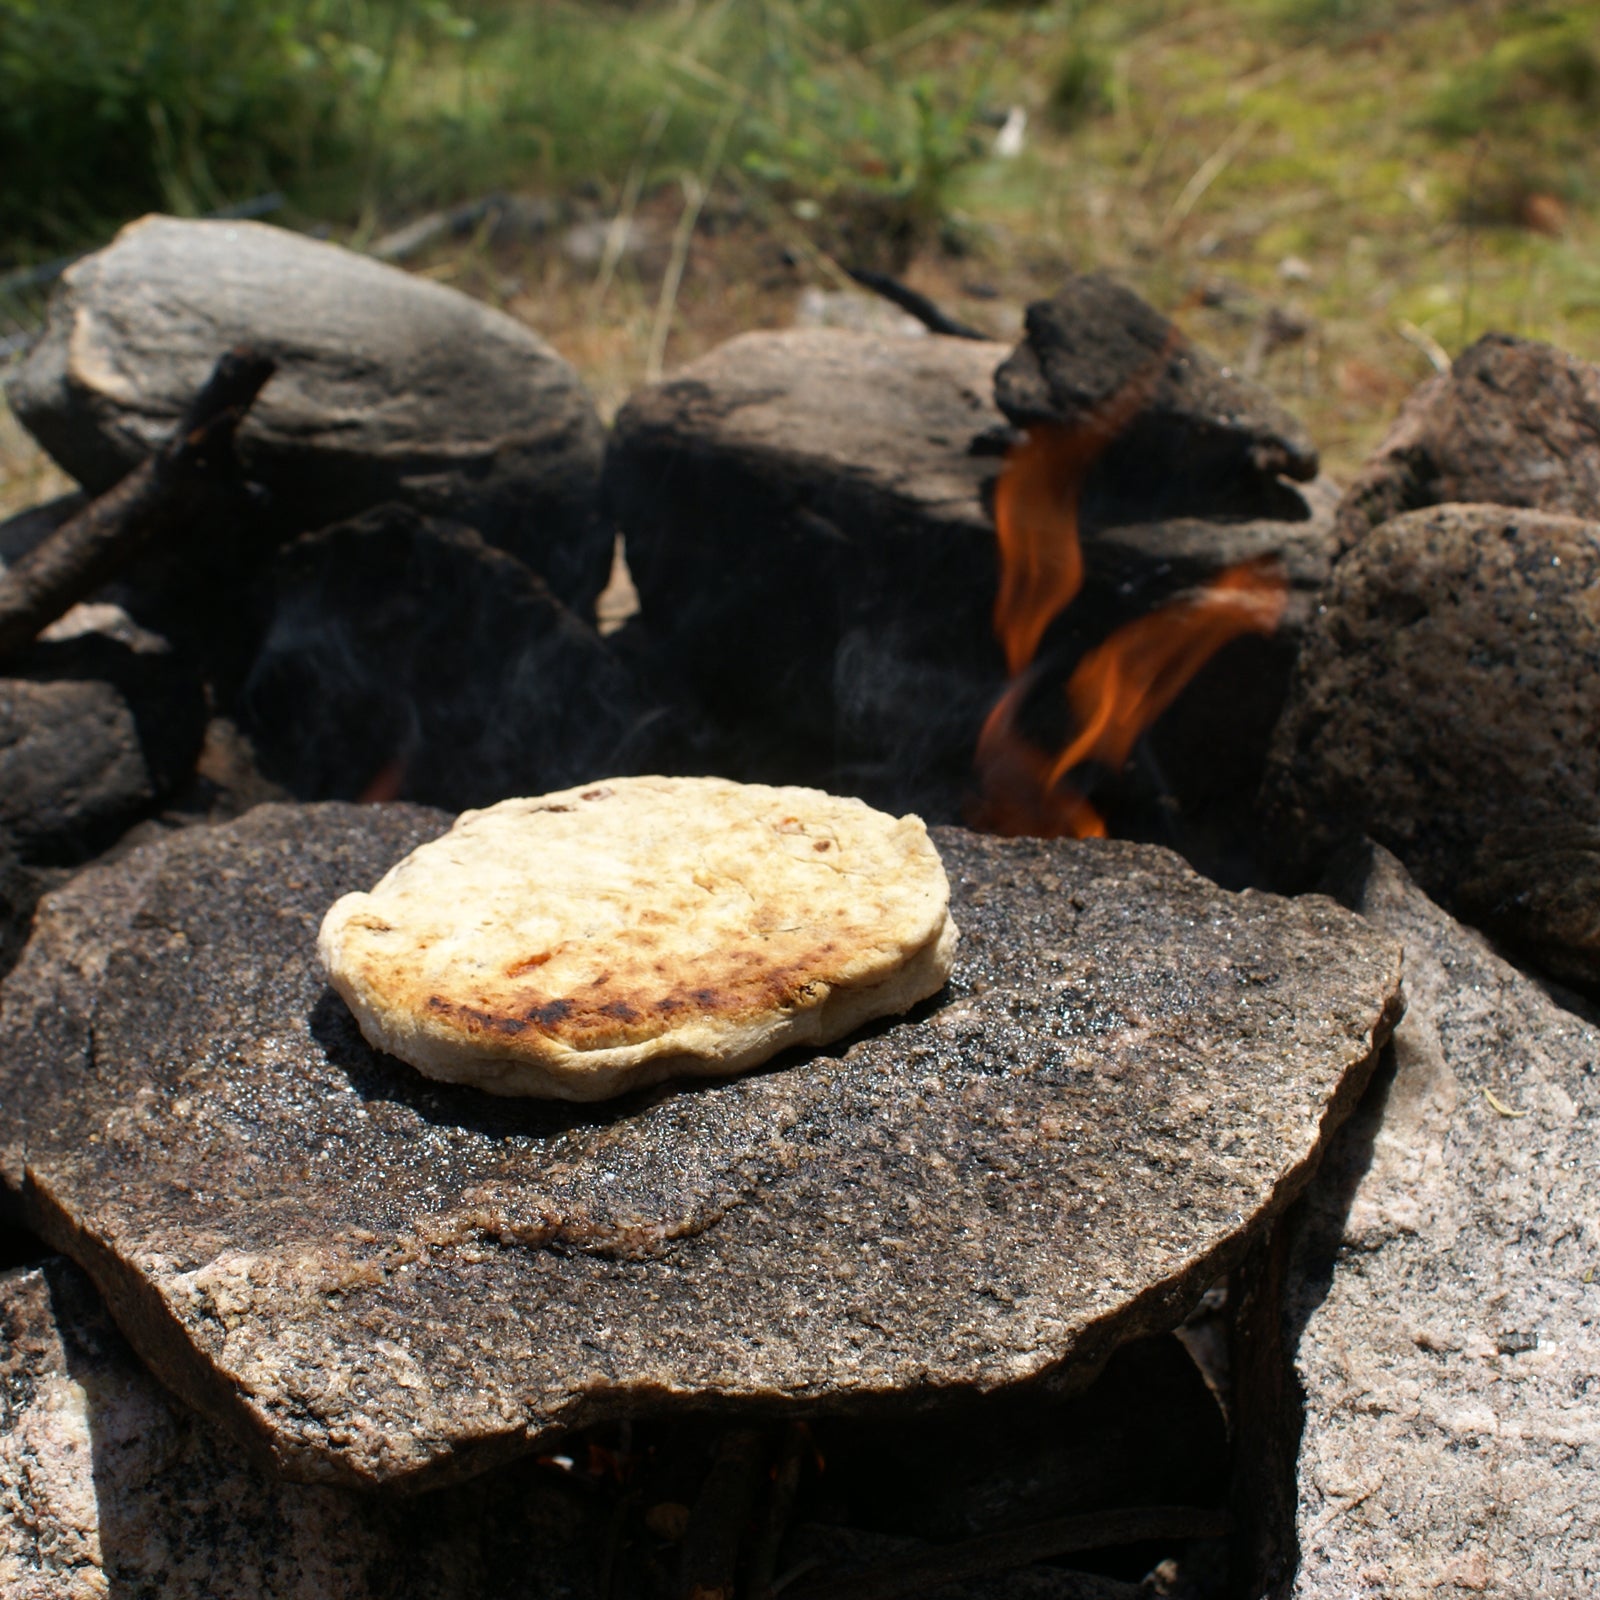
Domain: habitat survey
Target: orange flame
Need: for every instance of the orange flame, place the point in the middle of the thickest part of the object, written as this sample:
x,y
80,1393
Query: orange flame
x,y
1119,688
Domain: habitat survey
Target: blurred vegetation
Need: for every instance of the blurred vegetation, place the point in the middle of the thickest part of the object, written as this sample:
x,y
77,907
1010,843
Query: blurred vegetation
x,y
1335,194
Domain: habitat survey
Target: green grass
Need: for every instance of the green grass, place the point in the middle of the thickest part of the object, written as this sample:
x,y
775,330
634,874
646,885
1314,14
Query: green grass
x,y
1402,174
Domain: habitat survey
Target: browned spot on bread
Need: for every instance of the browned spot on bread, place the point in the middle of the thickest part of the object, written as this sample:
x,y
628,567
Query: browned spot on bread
x,y
823,844
528,963
598,794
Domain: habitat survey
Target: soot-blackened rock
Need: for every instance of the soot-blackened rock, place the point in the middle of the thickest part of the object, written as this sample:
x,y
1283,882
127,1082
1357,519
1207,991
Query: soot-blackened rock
x,y
808,521
374,1278
93,735
407,658
1186,435
388,387
805,516
1448,690
1514,421
1441,1291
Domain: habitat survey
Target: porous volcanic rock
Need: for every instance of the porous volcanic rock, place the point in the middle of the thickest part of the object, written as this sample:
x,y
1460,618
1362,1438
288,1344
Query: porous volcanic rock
x,y
93,734
807,517
388,387
1441,1295
1448,689
406,658
1096,348
372,1277
108,1486
1514,421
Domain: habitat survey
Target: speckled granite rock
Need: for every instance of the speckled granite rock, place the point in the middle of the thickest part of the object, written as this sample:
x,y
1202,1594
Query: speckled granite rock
x,y
1514,421
388,387
373,1277
109,1487
1097,343
1449,689
1442,1295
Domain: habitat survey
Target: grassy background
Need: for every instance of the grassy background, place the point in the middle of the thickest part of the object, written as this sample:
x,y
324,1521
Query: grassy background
x,y
1334,194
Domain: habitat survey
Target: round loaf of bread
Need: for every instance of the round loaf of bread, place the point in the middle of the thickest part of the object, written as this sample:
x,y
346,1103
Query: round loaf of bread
x,y
585,943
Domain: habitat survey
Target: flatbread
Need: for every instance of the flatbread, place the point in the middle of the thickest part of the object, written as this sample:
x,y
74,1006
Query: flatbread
x,y
581,944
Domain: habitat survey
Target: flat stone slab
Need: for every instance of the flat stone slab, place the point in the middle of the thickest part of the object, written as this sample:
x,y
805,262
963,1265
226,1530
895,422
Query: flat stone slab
x,y
375,1278
110,1486
1446,1291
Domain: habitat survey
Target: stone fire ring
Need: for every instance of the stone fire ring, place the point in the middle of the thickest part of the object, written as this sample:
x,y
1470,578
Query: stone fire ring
x,y
372,1278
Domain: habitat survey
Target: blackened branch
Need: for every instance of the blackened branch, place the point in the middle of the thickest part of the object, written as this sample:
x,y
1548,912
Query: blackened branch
x,y
161,495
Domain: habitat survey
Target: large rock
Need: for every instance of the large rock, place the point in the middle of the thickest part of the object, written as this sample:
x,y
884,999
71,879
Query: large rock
x,y
108,1486
1537,890
807,517
1449,690
1442,1296
371,1277
1514,421
388,387
407,658
92,737
1097,349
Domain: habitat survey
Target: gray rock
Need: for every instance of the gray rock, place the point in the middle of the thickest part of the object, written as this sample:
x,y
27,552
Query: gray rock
x,y
805,514
807,521
370,1277
1442,1290
1096,346
388,387
1514,421
407,657
1449,689
91,739
1537,890
110,1487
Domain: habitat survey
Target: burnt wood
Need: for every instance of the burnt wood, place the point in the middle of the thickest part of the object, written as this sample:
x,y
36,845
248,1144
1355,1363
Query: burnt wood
x,y
160,496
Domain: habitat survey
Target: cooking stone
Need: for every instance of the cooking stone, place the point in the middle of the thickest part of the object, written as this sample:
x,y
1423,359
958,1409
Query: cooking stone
x,y
374,1278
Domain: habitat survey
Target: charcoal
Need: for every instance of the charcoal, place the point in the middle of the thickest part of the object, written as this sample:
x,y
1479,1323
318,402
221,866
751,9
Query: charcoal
x,y
369,1277
808,521
1217,441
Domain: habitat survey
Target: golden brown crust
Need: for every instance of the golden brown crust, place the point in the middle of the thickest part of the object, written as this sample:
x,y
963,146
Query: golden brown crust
x,y
581,943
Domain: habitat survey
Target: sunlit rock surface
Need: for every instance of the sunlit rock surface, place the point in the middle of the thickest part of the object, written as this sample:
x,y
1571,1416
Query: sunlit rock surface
x,y
371,1277
1514,421
111,1487
1443,1292
388,387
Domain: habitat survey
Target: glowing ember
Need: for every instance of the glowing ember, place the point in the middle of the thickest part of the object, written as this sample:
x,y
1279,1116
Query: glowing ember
x,y
1119,688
